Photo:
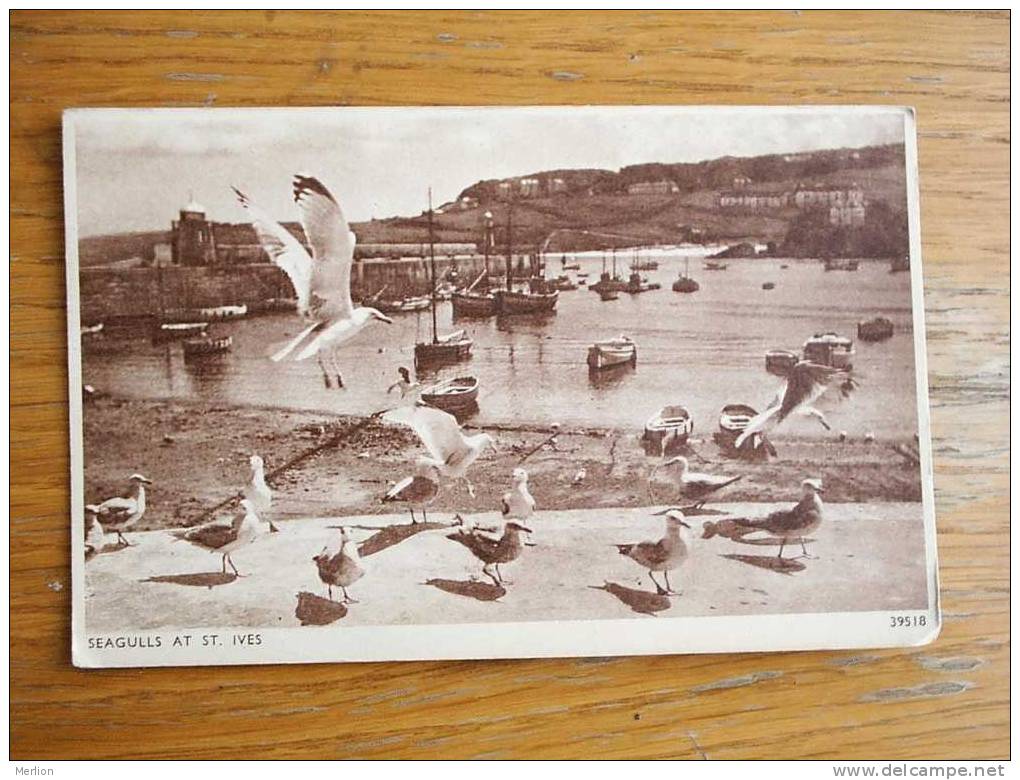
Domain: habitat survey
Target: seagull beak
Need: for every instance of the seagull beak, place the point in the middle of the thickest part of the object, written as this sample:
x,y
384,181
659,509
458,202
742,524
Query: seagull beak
x,y
384,318
526,529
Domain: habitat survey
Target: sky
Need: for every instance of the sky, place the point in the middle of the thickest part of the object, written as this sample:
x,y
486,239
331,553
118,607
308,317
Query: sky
x,y
136,168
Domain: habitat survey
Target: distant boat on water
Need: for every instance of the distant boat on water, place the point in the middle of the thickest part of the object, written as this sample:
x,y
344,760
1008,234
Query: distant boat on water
x,y
685,283
615,352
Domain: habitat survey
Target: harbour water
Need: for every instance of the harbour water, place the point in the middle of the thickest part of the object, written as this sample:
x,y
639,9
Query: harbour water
x,y
702,350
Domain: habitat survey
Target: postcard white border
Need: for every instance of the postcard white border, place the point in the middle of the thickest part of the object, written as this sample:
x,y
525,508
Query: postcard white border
x,y
629,636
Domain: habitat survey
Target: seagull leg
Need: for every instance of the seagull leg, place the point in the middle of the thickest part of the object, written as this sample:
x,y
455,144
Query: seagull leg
x,y
232,566
500,575
329,590
804,552
325,372
669,588
820,417
121,540
658,588
782,544
470,487
413,520
490,575
347,598
424,515
223,561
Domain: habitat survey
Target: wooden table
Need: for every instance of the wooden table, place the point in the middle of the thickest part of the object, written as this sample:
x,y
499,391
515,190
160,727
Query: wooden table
x,y
947,700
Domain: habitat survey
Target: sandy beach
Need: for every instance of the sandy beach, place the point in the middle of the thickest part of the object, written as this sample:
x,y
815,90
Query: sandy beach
x,y
197,456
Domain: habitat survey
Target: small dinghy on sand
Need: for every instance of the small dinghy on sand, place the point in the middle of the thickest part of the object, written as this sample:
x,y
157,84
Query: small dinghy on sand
x,y
452,394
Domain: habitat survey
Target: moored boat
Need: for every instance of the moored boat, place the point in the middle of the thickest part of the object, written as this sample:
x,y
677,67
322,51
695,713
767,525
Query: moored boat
x,y
673,421
608,282
609,295
445,349
230,312
734,417
638,285
780,361
715,265
841,265
452,394
878,329
644,265
769,286
403,305
684,283
175,331
563,282
206,347
468,304
615,352
830,349
513,302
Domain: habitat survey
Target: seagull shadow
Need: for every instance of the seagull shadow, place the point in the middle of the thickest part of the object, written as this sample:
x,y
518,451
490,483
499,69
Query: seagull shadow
x,y
208,579
314,610
481,591
106,549
641,601
395,534
770,562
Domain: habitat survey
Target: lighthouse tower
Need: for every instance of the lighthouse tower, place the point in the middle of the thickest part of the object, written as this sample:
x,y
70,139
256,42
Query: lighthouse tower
x,y
192,237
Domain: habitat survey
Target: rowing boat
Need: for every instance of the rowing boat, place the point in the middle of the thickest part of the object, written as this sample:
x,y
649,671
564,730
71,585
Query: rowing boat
x,y
673,421
452,394
615,352
445,349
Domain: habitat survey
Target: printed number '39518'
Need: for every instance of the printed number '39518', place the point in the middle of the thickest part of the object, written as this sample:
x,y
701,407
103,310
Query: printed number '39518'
x,y
907,621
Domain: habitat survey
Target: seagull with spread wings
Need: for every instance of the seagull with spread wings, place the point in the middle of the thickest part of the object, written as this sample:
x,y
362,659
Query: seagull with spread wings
x,y
806,383
322,280
450,451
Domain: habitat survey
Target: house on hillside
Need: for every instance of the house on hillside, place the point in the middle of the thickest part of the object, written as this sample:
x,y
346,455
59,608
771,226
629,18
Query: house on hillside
x,y
758,198
846,206
661,187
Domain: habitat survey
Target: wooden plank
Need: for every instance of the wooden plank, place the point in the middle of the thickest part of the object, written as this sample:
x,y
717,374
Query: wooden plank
x,y
949,700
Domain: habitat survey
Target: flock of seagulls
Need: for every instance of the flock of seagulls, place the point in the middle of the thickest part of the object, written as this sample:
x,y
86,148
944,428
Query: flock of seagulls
x,y
321,281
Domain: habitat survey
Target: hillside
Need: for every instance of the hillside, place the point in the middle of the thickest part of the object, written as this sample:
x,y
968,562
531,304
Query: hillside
x,y
585,209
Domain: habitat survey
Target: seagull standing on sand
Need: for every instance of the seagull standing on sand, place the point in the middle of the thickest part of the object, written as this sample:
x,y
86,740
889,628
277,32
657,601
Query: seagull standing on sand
x,y
693,485
794,524
418,490
225,538
120,513
492,551
321,281
663,555
342,567
518,503
405,385
450,451
806,383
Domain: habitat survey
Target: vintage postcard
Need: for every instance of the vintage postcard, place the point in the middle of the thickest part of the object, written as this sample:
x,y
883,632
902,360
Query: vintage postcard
x,y
424,383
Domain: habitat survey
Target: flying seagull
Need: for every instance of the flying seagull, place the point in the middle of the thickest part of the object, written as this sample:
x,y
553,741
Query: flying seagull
x,y
322,281
224,538
121,512
665,554
693,485
419,490
450,451
806,383
404,385
492,551
791,525
342,567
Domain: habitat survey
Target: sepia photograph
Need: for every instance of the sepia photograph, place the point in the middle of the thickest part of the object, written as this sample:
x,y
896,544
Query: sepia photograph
x,y
411,383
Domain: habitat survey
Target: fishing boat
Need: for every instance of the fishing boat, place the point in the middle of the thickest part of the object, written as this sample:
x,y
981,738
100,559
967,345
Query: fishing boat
x,y
452,395
638,285
780,361
769,286
563,282
468,304
609,295
206,347
446,348
230,312
175,331
568,266
582,274
514,302
644,265
830,349
403,305
273,306
715,265
615,352
878,329
684,282
672,421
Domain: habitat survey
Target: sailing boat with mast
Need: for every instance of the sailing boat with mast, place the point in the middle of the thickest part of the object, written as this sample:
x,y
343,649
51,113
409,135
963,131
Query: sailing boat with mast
x,y
452,346
684,282
511,301
470,303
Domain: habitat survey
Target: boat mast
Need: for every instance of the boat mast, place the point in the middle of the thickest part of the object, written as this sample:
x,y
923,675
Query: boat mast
x,y
510,245
432,267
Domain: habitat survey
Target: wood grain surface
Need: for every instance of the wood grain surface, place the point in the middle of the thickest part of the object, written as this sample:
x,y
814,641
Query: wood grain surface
x,y
947,700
